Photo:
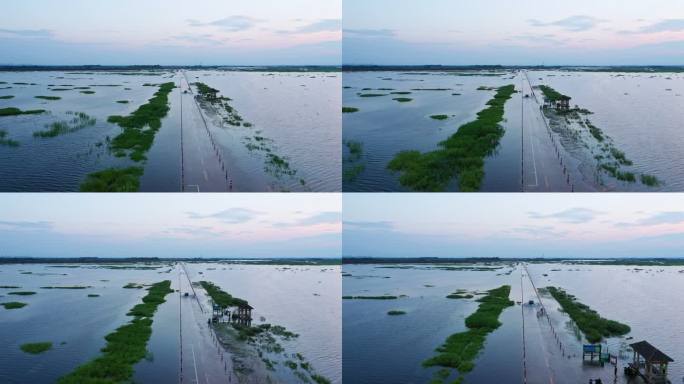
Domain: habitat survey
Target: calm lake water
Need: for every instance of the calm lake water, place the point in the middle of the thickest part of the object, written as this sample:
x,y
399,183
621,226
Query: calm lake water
x,y
385,127
77,324
643,113
298,112
379,348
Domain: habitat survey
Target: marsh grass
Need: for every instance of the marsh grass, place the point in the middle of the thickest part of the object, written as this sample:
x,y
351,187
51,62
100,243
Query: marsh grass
x,y
396,312
221,297
13,305
140,127
372,94
67,287
22,293
11,111
401,93
352,173
5,141
125,346
79,121
6,97
48,97
461,349
402,99
594,326
122,101
86,92
349,109
384,297
439,117
36,348
649,180
113,180
462,154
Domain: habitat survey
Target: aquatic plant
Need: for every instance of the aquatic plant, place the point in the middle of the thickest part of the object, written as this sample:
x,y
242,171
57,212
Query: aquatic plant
x,y
48,97
125,346
9,286
372,94
93,295
649,180
349,109
79,121
5,141
355,149
462,154
113,180
396,312
401,93
431,89
460,349
122,101
439,117
351,173
459,295
67,287
140,127
221,297
320,379
6,97
589,321
22,293
551,94
403,99
133,286
13,305
36,348
11,111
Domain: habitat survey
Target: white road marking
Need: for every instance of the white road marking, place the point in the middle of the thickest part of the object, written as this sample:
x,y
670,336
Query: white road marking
x,y
194,362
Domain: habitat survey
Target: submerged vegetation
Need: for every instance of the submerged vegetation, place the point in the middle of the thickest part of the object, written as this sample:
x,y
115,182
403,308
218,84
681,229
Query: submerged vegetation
x,y
5,141
460,349
11,111
113,180
349,109
460,155
125,346
384,297
48,97
396,312
403,99
352,167
79,121
36,348
13,305
6,97
439,117
589,321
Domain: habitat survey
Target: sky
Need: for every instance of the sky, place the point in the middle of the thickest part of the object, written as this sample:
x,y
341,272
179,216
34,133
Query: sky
x,y
513,225
228,225
521,32
170,32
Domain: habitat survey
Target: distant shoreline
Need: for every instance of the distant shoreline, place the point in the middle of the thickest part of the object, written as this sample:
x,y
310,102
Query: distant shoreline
x,y
152,260
497,260
108,68
574,68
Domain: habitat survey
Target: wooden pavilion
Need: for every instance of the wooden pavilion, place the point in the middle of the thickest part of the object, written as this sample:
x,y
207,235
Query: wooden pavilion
x,y
653,361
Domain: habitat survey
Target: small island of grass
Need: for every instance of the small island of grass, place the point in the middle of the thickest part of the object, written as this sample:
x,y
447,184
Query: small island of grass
x,y
11,111
113,180
439,117
48,98
22,293
36,348
383,297
402,99
13,305
6,97
396,312
594,326
349,109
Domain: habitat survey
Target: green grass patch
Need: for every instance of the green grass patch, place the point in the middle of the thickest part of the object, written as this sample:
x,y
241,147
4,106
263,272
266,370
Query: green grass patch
x,y
113,180
142,124
48,97
221,297
401,93
36,348
355,149
551,94
93,295
439,117
5,141
13,305
352,173
620,156
403,99
320,379
122,101
461,349
6,97
396,312
460,155
431,89
9,286
125,346
594,326
459,295
22,293
349,109
133,286
649,180
86,92
79,121
11,111
372,94
66,287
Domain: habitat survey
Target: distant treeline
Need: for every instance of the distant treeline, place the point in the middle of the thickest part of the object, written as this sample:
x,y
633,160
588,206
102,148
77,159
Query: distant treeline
x,y
416,68
90,68
153,260
492,260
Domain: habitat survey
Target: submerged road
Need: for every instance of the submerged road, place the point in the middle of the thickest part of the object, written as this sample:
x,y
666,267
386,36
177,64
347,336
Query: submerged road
x,y
543,166
202,165
203,359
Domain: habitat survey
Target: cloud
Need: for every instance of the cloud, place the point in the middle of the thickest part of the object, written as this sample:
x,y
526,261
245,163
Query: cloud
x,y
331,217
369,225
539,231
672,217
370,32
325,25
198,39
571,216
26,225
27,32
234,23
667,25
230,216
576,23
